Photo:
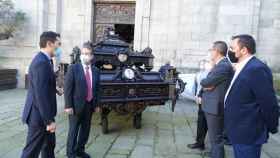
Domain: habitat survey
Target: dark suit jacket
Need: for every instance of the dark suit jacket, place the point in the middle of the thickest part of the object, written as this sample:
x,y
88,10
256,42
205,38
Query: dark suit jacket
x,y
40,106
75,88
220,78
251,108
164,69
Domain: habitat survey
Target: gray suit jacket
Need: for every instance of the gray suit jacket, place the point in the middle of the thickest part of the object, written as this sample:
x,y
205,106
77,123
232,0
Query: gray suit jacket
x,y
220,78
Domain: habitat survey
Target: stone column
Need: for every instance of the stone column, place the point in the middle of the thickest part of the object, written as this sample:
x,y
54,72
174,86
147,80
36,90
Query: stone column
x,y
142,24
269,33
76,25
237,17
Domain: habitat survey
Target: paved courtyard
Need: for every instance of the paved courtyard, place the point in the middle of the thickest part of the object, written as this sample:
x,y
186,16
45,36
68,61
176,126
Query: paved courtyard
x,y
163,135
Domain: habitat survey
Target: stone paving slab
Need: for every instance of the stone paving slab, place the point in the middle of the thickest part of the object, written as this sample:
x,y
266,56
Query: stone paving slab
x,y
163,134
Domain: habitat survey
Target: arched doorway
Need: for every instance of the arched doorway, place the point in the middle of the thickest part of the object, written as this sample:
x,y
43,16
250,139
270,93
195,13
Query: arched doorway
x,y
119,15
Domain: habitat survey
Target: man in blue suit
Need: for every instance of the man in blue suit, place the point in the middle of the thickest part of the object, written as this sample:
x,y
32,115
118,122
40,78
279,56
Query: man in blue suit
x,y
81,92
40,107
251,108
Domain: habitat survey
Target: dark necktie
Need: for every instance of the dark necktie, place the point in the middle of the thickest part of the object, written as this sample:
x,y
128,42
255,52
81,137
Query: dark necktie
x,y
89,88
51,61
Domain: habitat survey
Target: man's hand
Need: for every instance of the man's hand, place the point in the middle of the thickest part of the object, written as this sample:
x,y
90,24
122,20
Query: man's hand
x,y
51,127
59,91
208,88
198,100
212,63
209,65
97,109
69,111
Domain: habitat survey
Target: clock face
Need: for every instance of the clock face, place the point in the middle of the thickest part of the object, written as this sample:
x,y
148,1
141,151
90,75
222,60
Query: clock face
x,y
178,85
122,57
129,73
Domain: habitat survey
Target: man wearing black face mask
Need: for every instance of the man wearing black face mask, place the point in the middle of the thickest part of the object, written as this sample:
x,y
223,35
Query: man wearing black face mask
x,y
251,107
81,98
232,57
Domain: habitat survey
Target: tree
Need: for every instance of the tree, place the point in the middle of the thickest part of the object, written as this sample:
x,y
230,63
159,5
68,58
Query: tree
x,y
11,20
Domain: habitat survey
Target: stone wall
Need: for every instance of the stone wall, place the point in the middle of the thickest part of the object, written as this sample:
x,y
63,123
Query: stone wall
x,y
183,30
76,25
108,13
18,51
269,33
71,18
177,30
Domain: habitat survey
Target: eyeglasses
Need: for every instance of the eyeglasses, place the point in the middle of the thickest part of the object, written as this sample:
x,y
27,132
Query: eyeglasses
x,y
211,49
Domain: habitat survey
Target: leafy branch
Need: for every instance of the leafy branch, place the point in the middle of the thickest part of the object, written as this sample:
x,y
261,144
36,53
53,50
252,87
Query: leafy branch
x,y
11,20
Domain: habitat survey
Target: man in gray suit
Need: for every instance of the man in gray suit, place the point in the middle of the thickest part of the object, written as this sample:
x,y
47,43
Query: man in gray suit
x,y
214,89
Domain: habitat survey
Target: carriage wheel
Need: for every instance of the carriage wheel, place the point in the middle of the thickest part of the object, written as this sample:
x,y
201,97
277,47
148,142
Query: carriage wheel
x,y
137,120
104,123
173,104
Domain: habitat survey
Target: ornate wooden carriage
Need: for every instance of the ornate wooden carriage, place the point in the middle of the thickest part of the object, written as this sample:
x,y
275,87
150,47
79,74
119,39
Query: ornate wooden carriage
x,y
128,85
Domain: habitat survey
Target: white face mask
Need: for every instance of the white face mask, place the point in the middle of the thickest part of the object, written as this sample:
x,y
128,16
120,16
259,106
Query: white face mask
x,y
86,59
208,66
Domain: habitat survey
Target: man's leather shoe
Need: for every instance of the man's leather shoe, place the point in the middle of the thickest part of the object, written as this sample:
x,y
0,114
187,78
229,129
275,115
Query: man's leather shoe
x,y
83,155
73,156
227,142
274,131
196,146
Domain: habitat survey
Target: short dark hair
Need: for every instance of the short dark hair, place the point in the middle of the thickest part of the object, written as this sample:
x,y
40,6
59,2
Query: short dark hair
x,y
48,36
88,45
247,41
221,47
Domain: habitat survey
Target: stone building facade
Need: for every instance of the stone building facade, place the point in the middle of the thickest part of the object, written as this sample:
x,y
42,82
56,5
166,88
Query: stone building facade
x,y
176,30
113,14
182,30
71,18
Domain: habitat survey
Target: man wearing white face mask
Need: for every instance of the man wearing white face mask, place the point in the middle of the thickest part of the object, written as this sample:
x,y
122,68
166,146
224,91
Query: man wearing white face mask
x,y
201,131
81,98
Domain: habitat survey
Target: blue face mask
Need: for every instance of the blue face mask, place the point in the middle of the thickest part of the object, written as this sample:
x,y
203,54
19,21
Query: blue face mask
x,y
57,51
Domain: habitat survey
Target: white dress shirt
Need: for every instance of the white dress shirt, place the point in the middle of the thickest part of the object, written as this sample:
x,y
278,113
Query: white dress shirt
x,y
239,67
199,77
90,72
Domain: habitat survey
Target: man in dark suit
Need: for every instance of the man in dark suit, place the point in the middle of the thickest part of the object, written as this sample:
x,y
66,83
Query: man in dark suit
x,y
81,92
40,107
165,68
251,108
214,89
201,130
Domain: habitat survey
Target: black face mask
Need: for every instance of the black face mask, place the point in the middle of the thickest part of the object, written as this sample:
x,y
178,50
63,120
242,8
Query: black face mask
x,y
232,58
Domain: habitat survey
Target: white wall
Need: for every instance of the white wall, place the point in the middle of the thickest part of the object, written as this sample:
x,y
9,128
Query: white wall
x,y
269,33
183,30
69,17
18,51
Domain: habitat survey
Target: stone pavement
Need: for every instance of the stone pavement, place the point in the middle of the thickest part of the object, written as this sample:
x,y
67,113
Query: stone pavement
x,y
163,135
